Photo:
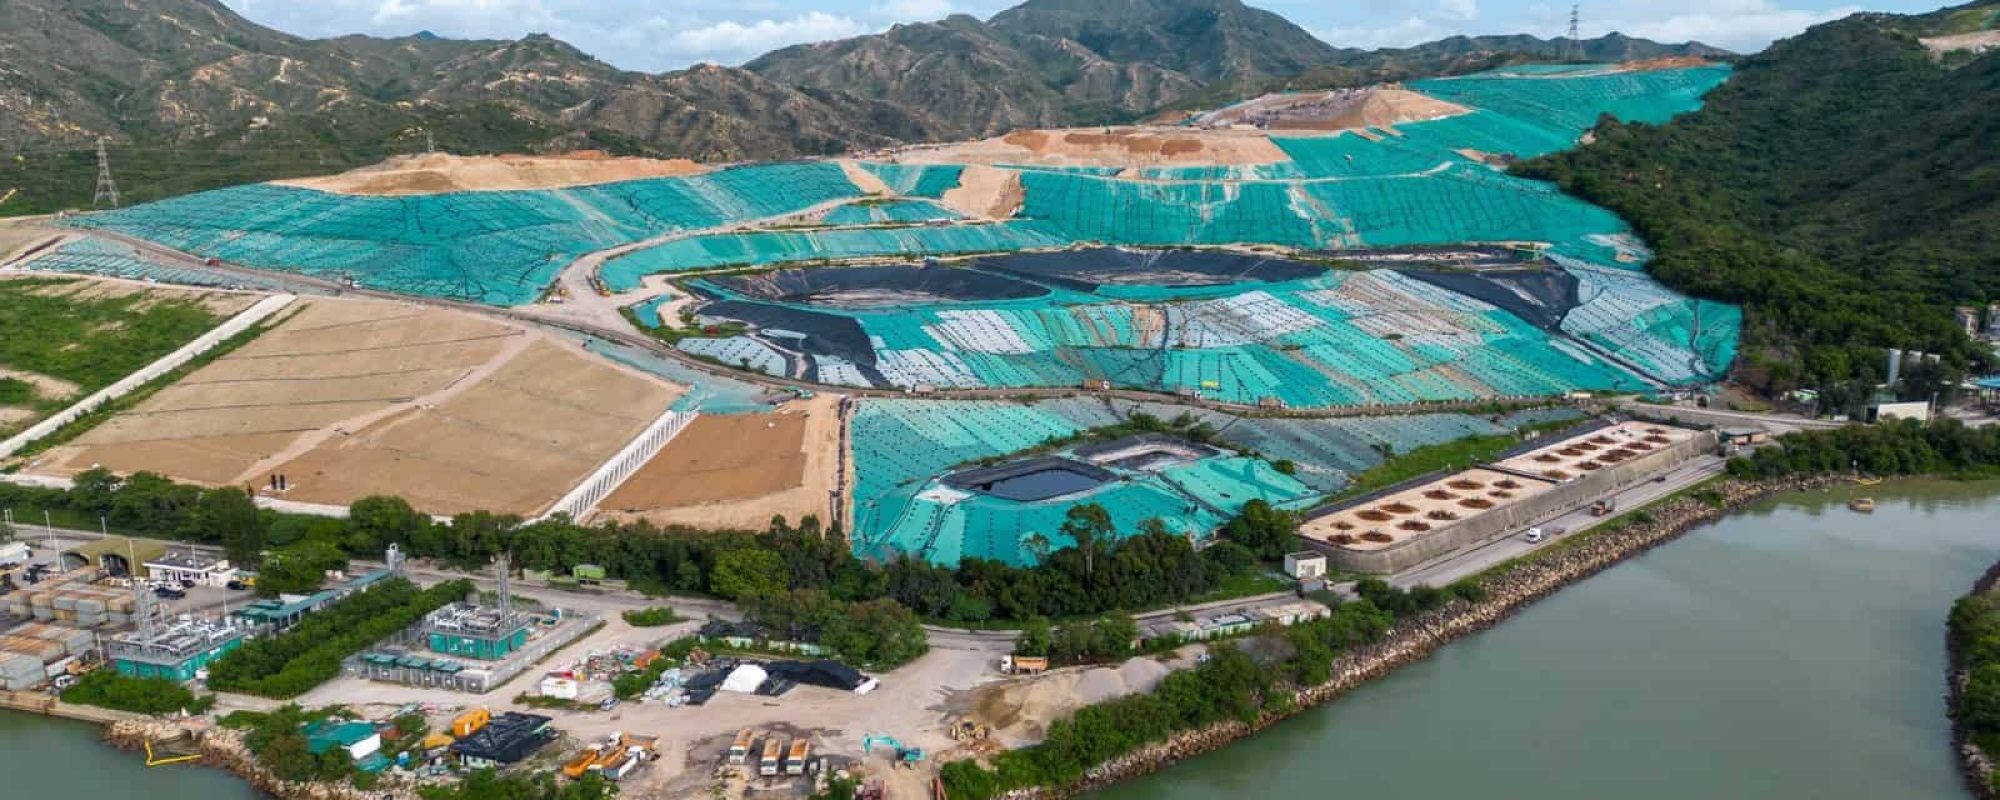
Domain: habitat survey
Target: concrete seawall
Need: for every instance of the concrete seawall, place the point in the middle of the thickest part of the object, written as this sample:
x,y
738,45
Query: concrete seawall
x,y
1509,590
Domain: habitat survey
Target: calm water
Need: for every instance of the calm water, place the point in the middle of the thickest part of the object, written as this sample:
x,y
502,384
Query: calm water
x,y
52,758
1792,651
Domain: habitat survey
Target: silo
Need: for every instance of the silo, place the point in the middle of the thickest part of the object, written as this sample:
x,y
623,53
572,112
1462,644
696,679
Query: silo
x,y
1895,367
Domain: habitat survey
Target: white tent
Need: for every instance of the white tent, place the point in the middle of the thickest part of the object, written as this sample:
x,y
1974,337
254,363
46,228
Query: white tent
x,y
745,679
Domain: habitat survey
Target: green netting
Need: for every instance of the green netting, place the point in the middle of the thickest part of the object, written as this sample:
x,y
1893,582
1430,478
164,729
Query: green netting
x,y
902,446
890,212
916,180
1572,101
494,247
772,247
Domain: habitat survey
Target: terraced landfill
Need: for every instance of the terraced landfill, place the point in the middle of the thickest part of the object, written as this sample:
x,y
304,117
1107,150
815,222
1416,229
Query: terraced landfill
x,y
1387,265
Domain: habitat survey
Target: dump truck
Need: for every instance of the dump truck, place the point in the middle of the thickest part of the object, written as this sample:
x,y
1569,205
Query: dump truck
x,y
795,761
1603,508
774,750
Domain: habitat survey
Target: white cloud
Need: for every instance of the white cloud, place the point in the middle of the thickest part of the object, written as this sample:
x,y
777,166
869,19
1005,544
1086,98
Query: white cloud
x,y
1403,33
1459,9
1741,25
912,10
735,40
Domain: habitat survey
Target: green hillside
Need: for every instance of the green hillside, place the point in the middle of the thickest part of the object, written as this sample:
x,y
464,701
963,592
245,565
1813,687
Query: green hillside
x,y
1844,187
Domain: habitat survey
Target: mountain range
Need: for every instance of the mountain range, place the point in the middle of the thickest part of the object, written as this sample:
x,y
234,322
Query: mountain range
x,y
194,74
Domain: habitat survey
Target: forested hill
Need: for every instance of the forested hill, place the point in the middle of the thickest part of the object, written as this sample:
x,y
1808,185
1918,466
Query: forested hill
x,y
1844,186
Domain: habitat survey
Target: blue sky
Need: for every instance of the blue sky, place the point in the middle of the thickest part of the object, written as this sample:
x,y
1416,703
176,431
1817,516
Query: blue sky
x,y
654,35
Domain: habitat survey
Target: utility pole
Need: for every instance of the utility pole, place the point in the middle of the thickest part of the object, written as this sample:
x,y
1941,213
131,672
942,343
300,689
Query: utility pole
x,y
430,142
1575,50
107,189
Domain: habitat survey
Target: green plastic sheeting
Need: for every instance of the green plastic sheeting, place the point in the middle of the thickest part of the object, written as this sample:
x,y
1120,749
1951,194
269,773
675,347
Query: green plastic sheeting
x,y
501,248
916,180
773,247
890,212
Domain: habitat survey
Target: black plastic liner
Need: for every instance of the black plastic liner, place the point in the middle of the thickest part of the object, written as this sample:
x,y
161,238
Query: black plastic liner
x,y
1016,481
1085,270
878,286
825,334
1542,297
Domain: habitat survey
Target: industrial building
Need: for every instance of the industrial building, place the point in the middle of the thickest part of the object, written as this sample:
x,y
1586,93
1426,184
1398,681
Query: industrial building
x,y
506,739
189,568
360,739
468,630
177,651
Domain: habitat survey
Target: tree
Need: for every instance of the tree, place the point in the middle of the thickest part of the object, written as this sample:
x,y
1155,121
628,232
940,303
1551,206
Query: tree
x,y
1267,531
375,522
1035,638
1090,525
746,573
232,517
300,568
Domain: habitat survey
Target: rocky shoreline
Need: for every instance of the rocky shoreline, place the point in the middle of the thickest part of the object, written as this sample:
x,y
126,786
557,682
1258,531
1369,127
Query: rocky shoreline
x,y
223,748
1524,583
1974,764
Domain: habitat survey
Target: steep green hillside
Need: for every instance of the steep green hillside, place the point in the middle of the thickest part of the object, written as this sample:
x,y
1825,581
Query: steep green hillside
x,y
1844,187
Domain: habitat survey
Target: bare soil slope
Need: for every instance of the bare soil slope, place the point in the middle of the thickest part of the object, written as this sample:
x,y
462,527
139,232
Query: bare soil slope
x,y
438,172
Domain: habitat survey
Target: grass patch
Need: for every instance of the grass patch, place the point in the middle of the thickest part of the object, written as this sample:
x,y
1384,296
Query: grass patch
x,y
91,342
83,424
651,617
1457,454
16,392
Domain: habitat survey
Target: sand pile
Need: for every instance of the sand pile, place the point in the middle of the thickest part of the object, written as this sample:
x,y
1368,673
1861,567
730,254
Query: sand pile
x,y
1020,711
1663,62
1107,147
1340,109
986,192
439,172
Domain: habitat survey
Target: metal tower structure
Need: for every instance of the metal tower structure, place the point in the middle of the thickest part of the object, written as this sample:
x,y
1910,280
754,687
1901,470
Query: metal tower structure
x,y
1574,51
107,189
430,142
506,600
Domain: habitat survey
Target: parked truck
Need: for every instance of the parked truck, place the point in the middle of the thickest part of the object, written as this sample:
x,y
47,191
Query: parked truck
x,y
14,554
1603,508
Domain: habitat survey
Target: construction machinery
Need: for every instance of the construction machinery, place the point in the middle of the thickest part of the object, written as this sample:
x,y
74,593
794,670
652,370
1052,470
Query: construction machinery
x,y
966,730
906,756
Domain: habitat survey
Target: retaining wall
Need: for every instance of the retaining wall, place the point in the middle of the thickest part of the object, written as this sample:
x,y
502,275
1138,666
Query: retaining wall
x,y
585,497
1505,520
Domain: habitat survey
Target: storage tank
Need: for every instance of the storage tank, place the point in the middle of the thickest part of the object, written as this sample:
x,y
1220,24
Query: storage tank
x,y
1895,372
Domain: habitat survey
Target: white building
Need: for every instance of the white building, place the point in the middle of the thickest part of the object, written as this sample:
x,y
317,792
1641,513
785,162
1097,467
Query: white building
x,y
1305,565
179,568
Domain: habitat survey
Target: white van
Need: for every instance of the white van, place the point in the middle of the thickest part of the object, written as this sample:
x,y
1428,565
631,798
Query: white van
x,y
1534,536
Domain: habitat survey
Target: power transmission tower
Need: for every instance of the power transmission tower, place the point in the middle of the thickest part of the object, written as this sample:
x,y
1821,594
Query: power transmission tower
x,y
107,189
430,142
1575,50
